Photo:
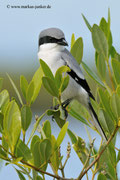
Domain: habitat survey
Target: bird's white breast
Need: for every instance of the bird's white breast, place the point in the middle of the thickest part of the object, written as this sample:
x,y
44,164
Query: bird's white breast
x,y
51,54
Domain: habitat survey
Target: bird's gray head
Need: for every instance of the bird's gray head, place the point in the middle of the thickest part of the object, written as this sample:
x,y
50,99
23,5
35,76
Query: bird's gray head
x,y
52,35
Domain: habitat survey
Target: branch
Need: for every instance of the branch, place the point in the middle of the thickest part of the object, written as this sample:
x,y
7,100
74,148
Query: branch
x,y
34,167
99,155
41,171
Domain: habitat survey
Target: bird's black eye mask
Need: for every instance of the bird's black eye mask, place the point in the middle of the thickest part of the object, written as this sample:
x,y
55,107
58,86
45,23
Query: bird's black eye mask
x,y
49,39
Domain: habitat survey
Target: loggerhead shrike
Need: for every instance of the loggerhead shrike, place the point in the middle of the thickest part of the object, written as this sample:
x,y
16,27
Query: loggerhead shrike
x,y
52,50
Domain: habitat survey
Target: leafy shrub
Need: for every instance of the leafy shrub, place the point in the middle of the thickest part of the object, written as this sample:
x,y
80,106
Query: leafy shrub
x,y
39,151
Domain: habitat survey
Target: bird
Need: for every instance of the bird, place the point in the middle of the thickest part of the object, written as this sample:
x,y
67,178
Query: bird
x,y
52,50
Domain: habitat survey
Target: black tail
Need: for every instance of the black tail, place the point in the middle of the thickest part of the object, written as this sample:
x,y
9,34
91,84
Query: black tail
x,y
97,123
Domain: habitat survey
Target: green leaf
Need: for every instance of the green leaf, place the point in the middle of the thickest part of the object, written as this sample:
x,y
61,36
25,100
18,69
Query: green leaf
x,y
47,71
38,178
12,124
114,54
105,163
45,148
104,26
4,100
21,177
34,173
16,160
81,150
37,80
72,136
37,156
72,40
101,177
105,100
87,23
118,90
26,117
23,86
3,154
111,171
92,75
34,140
1,122
30,92
5,144
99,41
116,70
106,121
1,83
78,112
58,75
101,66
77,50
47,129
23,151
16,90
61,134
112,154
65,83
115,104
50,86
118,156
106,29
54,159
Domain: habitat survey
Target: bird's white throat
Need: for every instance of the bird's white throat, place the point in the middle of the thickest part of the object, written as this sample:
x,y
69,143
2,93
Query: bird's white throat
x,y
51,47
51,54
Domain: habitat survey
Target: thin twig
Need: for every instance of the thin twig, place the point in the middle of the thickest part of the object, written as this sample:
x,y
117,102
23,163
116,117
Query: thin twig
x,y
87,176
117,149
65,161
95,174
99,155
87,160
68,154
62,170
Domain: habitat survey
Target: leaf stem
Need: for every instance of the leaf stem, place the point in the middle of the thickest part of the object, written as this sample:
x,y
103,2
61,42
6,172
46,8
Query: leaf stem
x,y
24,136
93,176
62,169
99,155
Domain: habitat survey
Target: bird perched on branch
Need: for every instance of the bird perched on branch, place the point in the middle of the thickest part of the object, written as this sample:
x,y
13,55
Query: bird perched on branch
x,y
52,50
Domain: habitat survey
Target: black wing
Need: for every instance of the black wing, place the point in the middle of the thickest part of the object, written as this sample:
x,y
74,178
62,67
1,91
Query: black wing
x,y
81,82
78,77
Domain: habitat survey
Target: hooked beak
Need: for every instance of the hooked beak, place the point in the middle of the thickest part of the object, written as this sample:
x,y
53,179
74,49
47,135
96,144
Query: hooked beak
x,y
63,42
